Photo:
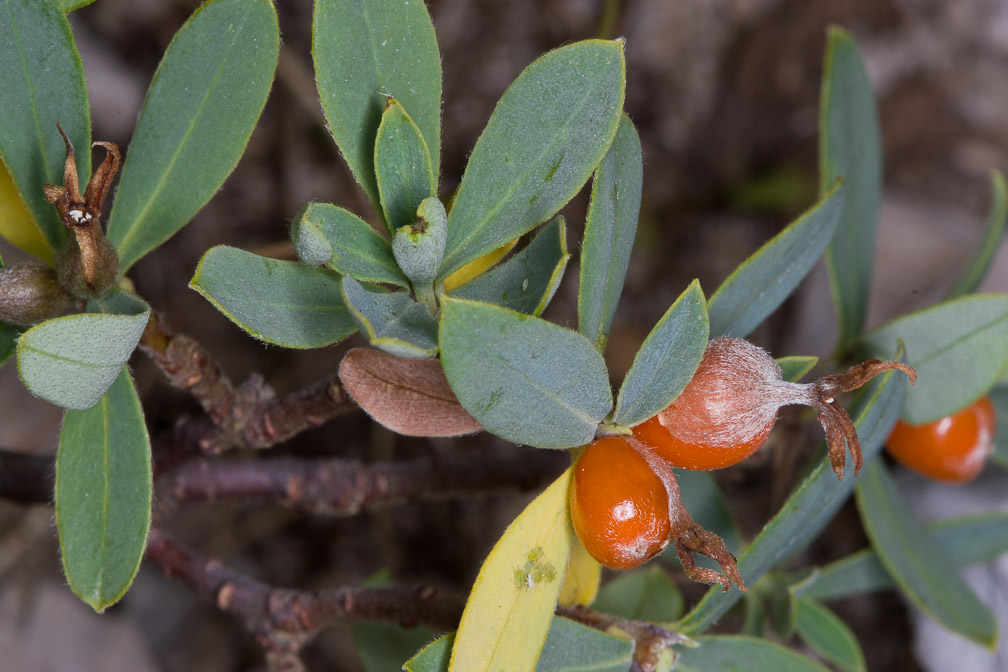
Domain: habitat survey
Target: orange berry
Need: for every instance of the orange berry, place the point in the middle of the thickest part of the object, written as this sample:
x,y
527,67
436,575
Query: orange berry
x,y
953,448
730,405
619,505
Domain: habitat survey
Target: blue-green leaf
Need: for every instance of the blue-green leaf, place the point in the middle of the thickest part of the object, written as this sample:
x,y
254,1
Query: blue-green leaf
x,y
795,367
999,397
392,321
365,51
103,494
763,281
732,653
666,360
327,234
281,302
70,5
610,229
538,383
527,281
403,167
547,134
71,361
849,147
828,636
916,562
959,349
202,105
42,80
976,268
646,594
813,503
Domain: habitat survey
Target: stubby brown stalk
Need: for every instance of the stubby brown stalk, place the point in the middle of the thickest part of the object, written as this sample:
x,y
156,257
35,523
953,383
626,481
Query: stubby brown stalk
x,y
89,264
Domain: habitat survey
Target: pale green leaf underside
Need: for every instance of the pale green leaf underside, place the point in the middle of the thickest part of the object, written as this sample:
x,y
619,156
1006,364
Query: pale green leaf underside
x,y
610,228
539,384
812,504
103,494
392,321
666,360
917,564
42,80
959,349
527,281
281,302
202,105
542,142
763,281
71,361
828,636
70,5
849,148
570,647
365,51
976,268
731,653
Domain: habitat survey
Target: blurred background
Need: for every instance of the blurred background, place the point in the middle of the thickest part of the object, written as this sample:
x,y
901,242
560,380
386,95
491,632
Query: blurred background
x,y
725,96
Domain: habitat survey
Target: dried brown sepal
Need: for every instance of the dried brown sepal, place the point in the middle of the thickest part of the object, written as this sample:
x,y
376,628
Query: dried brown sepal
x,y
840,432
409,396
686,536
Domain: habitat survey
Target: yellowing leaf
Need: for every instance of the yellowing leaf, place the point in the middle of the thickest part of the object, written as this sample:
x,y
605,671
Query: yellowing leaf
x,y
581,582
16,222
509,611
477,267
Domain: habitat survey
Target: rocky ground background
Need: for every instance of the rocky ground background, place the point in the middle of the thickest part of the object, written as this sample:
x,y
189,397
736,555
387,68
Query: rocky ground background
x,y
725,96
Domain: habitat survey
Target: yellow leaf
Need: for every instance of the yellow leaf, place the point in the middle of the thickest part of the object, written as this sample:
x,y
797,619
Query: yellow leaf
x,y
504,625
16,222
477,267
581,582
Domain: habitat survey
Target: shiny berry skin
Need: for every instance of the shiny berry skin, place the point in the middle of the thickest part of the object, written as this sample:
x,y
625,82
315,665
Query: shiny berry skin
x,y
725,412
953,449
619,505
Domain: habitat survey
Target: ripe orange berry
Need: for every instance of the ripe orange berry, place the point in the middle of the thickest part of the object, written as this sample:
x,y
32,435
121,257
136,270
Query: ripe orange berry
x,y
952,449
730,405
619,506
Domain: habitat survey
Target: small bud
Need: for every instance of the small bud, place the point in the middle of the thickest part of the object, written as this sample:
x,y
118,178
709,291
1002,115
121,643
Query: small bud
x,y
31,294
419,247
310,243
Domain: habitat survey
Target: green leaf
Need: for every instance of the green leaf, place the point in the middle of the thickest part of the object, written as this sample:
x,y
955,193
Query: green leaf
x,y
327,234
508,614
917,564
647,594
527,281
103,494
999,397
763,281
538,384
8,337
976,268
70,5
280,302
71,361
828,636
731,653
570,647
959,349
403,167
42,80
392,321
795,368
813,503
964,540
849,147
365,51
754,623
666,360
610,229
547,134
202,105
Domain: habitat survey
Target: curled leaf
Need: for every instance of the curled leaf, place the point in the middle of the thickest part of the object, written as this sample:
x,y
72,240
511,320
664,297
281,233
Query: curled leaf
x,y
408,396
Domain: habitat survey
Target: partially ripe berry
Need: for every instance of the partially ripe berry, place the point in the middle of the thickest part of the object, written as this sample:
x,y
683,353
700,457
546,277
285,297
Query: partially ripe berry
x,y
619,505
952,449
730,405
